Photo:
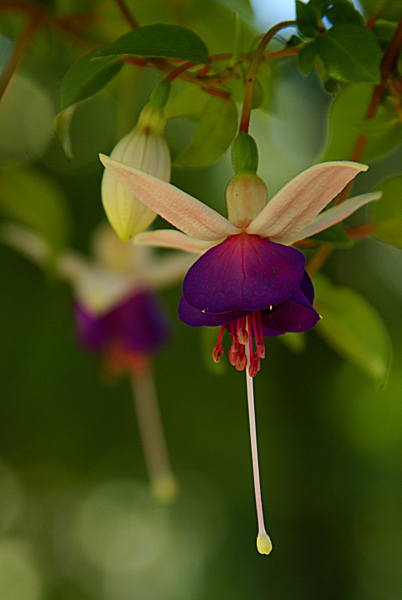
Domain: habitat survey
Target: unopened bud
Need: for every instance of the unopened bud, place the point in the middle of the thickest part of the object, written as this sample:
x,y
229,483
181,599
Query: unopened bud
x,y
144,148
246,196
245,154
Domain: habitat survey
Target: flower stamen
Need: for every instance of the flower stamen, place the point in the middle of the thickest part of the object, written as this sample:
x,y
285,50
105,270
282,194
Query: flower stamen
x,y
217,352
259,334
243,330
241,361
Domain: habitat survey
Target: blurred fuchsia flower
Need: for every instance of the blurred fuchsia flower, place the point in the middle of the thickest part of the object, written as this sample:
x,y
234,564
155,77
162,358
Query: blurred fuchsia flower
x,y
118,315
248,279
117,311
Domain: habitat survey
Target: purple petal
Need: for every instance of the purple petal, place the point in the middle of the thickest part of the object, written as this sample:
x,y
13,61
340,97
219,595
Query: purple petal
x,y
295,314
139,324
243,272
307,287
197,318
89,328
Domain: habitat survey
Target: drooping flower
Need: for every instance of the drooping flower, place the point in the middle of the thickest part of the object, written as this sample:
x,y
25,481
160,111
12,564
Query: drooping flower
x,y
144,148
118,315
248,279
116,309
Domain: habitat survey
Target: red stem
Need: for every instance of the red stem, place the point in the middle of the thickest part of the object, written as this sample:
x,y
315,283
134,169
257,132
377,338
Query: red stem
x,y
127,14
21,48
252,74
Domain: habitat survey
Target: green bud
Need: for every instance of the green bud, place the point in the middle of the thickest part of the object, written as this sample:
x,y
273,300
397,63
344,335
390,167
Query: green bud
x,y
245,154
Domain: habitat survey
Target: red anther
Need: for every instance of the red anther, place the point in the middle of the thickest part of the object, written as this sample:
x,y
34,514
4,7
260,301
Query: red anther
x,y
254,366
235,343
217,353
242,335
232,356
260,349
252,370
241,361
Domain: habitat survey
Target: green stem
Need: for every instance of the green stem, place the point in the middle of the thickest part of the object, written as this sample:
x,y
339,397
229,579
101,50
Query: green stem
x,y
252,74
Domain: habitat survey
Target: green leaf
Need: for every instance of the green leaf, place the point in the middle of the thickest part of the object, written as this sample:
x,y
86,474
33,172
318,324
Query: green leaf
x,y
306,19
387,213
385,31
347,116
350,53
87,77
189,101
353,328
294,41
343,12
334,235
214,133
347,111
320,5
33,199
389,9
306,57
161,40
61,127
380,125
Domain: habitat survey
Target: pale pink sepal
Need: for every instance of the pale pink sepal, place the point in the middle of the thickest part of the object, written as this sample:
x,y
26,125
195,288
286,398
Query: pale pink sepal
x,y
182,210
330,217
169,269
300,200
170,238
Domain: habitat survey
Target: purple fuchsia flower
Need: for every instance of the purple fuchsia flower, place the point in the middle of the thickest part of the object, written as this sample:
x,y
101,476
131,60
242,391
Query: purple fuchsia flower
x,y
248,279
118,315
116,309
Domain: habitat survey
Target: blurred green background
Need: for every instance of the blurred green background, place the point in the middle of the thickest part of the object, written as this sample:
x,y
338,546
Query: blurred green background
x,y
76,517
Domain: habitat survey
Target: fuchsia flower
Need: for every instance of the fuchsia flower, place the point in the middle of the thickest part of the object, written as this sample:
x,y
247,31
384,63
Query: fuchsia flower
x,y
118,315
248,277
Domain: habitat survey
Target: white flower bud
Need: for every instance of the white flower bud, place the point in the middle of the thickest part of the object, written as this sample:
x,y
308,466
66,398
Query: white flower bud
x,y
143,148
246,196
